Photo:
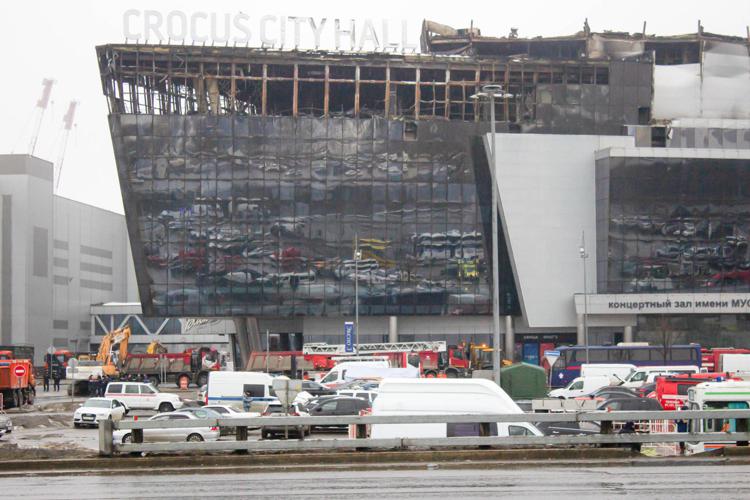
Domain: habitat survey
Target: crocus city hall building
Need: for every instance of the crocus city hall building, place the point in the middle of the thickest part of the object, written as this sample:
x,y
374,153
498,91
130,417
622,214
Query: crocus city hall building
x,y
250,176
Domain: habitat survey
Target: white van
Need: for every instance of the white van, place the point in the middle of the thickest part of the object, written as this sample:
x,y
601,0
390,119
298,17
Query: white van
x,y
733,363
647,374
618,372
229,388
336,374
434,396
581,386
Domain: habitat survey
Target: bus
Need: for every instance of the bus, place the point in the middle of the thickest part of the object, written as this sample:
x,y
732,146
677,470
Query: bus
x,y
568,365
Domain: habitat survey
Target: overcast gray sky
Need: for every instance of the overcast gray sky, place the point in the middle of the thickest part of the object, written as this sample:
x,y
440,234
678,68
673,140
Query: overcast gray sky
x,y
56,39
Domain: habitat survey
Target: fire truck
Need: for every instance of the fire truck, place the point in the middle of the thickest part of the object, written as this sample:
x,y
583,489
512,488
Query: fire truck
x,y
433,358
16,381
711,358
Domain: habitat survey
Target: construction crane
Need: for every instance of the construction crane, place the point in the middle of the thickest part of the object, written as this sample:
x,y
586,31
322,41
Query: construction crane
x,y
67,127
41,104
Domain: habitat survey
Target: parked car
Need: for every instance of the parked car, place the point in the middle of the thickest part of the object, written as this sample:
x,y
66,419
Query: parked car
x,y
612,392
361,394
226,411
581,386
277,410
142,396
630,404
171,434
644,390
6,425
315,389
568,428
200,412
339,406
94,410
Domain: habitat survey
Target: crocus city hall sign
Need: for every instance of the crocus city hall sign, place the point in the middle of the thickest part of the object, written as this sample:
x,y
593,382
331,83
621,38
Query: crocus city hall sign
x,y
278,32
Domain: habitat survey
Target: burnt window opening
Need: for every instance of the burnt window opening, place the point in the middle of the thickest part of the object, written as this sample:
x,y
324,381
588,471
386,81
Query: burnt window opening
x,y
249,97
342,72
602,75
371,73
254,70
557,77
675,53
461,104
410,130
371,99
318,72
403,74
280,71
311,98
572,75
644,115
341,99
659,137
431,101
405,100
431,75
588,75
463,75
280,98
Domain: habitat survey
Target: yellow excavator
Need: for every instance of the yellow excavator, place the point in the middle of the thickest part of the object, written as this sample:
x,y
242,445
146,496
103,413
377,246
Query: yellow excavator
x,y
113,350
156,348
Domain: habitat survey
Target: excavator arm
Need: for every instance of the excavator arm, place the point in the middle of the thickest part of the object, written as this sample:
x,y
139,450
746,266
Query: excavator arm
x,y
115,339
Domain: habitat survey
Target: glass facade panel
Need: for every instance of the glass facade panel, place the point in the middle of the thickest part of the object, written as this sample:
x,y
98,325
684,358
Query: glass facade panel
x,y
678,225
261,216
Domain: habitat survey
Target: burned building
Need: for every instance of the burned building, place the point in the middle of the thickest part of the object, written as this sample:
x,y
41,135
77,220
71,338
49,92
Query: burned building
x,y
249,176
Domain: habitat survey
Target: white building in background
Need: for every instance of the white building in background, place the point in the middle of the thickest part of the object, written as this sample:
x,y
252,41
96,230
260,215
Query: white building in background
x,y
66,272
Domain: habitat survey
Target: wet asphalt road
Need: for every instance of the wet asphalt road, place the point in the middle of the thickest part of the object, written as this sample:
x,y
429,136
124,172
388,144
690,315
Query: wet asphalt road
x,y
726,481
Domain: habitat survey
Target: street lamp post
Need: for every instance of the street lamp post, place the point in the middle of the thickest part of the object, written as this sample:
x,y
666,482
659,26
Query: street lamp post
x,y
489,92
584,255
357,256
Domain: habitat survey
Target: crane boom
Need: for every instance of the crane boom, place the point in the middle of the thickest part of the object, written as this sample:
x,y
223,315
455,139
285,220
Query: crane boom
x,y
322,348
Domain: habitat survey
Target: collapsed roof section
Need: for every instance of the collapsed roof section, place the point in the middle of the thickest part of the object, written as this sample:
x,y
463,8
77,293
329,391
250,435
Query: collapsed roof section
x,y
678,49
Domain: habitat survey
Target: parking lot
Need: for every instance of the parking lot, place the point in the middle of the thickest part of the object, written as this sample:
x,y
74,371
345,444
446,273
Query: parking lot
x,y
46,428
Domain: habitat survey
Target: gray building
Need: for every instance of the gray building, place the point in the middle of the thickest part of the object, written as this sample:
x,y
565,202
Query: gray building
x,y
57,257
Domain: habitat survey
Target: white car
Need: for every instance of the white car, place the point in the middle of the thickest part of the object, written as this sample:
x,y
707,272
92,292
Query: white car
x,y
95,410
6,426
142,396
231,412
170,434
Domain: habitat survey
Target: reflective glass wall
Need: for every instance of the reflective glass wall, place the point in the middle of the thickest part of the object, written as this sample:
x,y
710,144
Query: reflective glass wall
x,y
673,225
261,216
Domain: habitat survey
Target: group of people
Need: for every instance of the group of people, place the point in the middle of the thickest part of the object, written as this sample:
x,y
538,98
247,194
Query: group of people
x,y
55,375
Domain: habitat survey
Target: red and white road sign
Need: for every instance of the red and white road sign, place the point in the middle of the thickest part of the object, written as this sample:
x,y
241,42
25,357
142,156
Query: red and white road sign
x,y
19,370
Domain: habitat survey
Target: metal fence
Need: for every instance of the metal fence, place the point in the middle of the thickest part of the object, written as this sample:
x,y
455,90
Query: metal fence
x,y
741,435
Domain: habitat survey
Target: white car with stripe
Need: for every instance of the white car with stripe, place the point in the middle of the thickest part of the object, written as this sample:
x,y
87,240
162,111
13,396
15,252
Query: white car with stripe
x,y
142,396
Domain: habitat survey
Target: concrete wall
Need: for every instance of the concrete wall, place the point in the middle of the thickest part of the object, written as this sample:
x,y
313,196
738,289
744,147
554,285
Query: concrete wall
x,y
547,198
92,264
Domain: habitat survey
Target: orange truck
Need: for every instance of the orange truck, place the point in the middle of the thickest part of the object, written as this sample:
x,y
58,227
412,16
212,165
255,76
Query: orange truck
x,y
16,381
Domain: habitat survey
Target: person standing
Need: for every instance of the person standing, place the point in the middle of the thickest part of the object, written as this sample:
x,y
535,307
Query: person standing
x,y
45,377
56,379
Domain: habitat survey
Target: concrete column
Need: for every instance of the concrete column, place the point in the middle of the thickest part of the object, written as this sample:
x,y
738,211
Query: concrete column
x,y
253,334
510,339
393,329
627,334
580,333
240,329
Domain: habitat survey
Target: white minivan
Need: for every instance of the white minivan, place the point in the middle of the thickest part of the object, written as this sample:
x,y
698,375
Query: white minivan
x,y
581,386
142,396
646,374
237,388
434,396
